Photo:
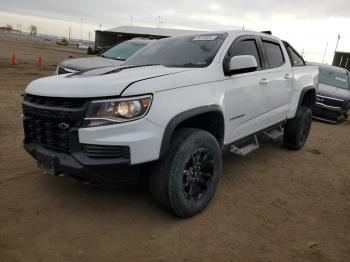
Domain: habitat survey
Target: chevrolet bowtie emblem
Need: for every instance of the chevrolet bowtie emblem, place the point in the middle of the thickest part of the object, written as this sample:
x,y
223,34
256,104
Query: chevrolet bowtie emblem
x,y
63,126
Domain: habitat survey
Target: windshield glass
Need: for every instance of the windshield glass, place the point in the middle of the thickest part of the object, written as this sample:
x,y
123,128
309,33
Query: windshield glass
x,y
123,51
334,77
183,51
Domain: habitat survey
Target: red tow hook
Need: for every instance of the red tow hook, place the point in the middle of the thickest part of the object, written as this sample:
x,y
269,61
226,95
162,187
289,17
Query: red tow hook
x,y
88,183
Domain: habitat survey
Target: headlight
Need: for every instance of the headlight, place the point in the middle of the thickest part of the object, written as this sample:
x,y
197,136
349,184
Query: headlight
x,y
112,111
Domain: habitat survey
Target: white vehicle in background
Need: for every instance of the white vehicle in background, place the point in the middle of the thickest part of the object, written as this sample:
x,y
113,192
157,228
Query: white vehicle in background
x,y
172,108
82,46
114,56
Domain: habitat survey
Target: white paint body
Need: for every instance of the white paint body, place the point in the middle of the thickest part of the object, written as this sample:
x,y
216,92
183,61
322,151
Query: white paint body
x,y
262,98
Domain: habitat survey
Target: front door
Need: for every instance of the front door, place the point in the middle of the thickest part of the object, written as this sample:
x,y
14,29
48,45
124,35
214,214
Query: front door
x,y
246,94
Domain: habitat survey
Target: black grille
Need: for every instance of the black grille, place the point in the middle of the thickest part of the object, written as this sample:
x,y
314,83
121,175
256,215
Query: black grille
x,y
56,101
99,151
327,100
48,120
47,133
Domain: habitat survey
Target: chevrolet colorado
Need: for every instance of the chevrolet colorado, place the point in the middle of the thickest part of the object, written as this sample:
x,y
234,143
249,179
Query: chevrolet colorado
x,y
173,107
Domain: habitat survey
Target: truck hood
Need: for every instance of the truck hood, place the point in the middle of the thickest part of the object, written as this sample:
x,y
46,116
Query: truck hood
x,y
102,82
86,63
333,91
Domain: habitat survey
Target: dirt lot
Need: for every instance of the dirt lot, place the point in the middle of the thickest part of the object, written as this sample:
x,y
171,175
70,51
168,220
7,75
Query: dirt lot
x,y
274,205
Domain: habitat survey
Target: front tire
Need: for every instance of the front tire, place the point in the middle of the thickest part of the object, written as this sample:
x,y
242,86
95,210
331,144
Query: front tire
x,y
297,129
186,179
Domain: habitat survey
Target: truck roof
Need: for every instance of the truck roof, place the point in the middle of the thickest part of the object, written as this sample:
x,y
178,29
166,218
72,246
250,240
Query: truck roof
x,y
234,32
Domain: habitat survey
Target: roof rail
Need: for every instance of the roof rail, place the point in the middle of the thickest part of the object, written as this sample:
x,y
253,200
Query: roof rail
x,y
266,32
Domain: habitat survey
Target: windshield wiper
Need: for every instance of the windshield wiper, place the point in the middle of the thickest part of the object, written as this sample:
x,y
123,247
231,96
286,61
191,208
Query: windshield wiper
x,y
114,58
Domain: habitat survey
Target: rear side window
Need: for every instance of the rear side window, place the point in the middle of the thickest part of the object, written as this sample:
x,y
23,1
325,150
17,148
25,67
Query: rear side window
x,y
247,47
296,60
274,54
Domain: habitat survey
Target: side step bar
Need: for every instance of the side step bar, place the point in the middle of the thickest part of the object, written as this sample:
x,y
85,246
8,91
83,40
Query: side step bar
x,y
274,132
245,146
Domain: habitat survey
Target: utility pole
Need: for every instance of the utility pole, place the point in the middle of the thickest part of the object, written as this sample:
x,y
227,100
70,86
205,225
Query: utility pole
x,y
158,21
81,29
302,53
130,20
337,44
325,52
100,27
89,36
69,32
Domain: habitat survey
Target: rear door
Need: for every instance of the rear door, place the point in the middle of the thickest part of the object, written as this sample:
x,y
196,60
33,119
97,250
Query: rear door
x,y
279,78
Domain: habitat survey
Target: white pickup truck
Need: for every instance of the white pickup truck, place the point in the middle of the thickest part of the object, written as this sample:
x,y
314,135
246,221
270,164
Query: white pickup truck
x,y
173,109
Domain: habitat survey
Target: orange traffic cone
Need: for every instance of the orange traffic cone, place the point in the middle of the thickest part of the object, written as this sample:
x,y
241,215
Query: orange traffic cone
x,y
13,60
39,63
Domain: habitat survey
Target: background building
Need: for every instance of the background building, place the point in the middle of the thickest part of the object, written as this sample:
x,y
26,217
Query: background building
x,y
107,38
342,59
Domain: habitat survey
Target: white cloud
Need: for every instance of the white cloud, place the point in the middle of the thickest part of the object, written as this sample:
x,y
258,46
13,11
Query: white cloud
x,y
307,25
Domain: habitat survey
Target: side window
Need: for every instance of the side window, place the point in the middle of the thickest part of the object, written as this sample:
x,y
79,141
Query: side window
x,y
295,58
274,54
247,47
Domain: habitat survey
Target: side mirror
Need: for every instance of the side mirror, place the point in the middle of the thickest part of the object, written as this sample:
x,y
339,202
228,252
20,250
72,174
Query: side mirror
x,y
242,64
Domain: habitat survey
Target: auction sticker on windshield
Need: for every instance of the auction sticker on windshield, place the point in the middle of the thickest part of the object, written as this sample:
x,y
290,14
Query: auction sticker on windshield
x,y
205,38
341,79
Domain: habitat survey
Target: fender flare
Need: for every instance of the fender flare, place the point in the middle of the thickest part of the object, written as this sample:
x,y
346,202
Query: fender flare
x,y
179,118
303,92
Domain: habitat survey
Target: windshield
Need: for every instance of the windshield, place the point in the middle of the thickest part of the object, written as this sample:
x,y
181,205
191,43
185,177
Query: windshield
x,y
123,51
334,77
183,51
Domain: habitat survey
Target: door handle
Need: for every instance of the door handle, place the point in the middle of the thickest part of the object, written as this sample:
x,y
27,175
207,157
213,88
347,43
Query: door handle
x,y
264,81
287,76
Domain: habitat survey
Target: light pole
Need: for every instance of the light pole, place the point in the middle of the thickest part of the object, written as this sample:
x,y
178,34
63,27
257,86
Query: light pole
x,y
325,52
81,29
337,44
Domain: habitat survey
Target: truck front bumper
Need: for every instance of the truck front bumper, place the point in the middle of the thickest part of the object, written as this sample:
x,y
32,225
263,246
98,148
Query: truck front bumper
x,y
107,172
328,114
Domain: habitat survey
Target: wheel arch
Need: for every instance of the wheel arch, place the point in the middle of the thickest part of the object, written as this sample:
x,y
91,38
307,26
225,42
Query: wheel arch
x,y
195,118
307,97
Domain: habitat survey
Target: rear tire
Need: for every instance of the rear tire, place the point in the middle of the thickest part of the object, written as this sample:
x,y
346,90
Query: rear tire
x,y
186,179
297,129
